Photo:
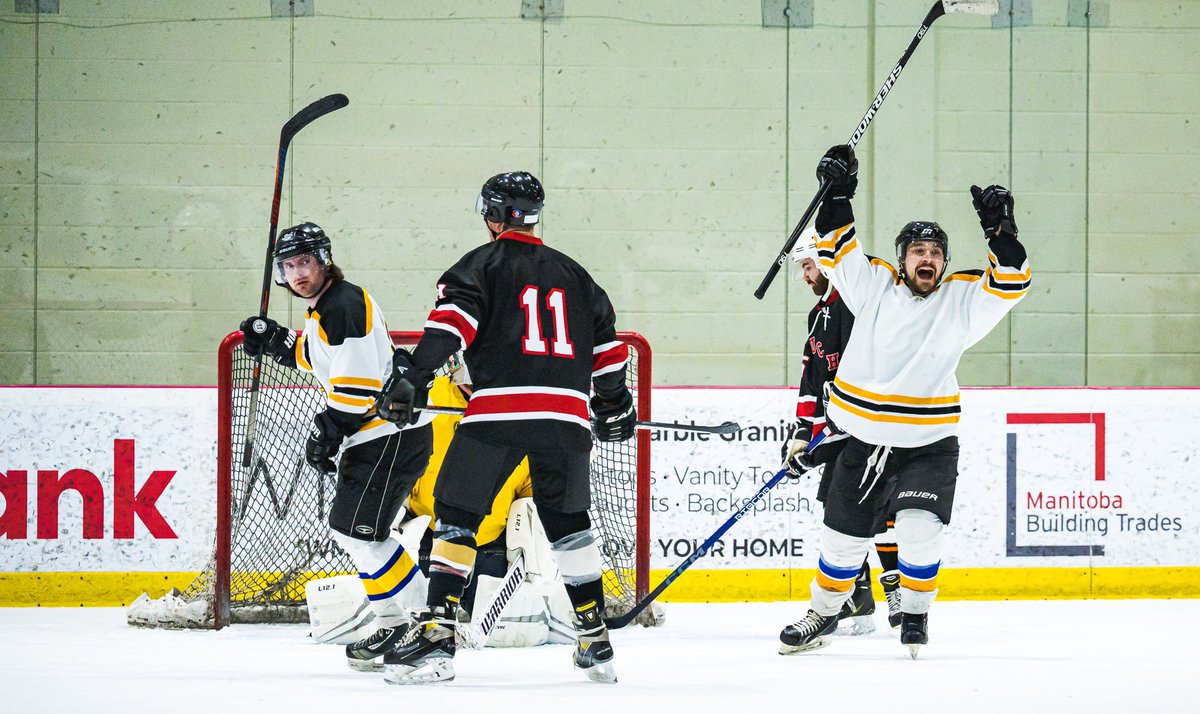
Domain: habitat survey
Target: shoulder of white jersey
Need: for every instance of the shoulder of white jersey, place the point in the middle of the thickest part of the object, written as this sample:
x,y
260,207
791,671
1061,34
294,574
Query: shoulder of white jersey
x,y
344,312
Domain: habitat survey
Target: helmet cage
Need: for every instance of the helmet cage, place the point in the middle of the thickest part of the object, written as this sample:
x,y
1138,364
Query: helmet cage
x,y
306,238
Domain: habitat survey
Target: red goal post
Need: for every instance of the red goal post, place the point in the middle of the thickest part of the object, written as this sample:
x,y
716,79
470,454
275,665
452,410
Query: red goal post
x,y
272,536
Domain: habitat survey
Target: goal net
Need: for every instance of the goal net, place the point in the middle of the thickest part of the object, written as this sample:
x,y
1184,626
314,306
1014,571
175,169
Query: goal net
x,y
272,533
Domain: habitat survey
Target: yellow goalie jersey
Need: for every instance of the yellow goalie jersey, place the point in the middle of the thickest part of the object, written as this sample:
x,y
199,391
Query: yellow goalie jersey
x,y
445,393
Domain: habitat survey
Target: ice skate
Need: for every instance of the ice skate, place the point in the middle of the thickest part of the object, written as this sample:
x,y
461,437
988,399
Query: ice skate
x,y
593,652
426,654
366,655
891,590
914,632
860,608
812,632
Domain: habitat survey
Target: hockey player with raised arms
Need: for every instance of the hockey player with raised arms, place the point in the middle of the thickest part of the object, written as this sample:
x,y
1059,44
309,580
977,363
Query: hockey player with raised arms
x,y
896,395
346,346
538,334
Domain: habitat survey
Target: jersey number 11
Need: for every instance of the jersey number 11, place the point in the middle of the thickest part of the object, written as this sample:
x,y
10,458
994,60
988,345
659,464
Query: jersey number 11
x,y
534,344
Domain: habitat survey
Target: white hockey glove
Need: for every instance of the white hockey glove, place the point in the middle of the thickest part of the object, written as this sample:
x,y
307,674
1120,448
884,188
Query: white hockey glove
x,y
796,459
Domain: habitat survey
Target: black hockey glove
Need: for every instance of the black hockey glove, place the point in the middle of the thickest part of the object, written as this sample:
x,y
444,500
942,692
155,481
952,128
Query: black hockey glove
x,y
406,391
262,335
994,205
795,458
615,419
323,443
839,168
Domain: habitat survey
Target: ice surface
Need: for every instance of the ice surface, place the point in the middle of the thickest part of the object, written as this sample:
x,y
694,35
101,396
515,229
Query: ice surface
x,y
1014,657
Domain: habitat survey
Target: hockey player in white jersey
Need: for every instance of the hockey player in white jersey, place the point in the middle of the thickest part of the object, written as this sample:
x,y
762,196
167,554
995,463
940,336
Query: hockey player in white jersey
x,y
346,346
896,395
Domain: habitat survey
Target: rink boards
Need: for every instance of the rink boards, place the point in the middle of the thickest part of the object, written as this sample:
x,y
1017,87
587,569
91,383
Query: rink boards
x,y
1061,493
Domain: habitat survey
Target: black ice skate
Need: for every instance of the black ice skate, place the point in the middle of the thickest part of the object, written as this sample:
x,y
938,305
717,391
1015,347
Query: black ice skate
x,y
914,632
366,655
812,632
426,654
891,590
860,608
593,651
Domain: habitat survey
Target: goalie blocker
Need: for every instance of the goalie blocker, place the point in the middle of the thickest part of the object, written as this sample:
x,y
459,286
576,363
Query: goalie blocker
x,y
538,612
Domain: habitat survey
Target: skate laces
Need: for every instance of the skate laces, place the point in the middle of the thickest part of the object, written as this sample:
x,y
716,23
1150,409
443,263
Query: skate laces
x,y
877,461
810,623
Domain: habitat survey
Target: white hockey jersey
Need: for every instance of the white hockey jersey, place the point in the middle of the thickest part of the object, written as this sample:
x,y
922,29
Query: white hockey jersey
x,y
896,385
346,346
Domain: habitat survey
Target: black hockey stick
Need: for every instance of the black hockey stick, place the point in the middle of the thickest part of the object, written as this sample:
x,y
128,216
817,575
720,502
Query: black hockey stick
x,y
619,621
941,7
729,427
303,118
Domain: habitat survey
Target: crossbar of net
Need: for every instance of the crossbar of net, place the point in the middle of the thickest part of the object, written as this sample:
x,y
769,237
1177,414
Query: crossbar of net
x,y
279,536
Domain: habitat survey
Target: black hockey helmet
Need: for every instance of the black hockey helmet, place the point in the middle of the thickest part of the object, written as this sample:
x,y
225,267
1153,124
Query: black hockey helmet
x,y
917,231
512,199
299,240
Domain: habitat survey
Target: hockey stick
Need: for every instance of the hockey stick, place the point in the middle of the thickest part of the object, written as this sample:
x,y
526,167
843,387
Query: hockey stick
x,y
303,118
941,7
481,627
616,623
729,427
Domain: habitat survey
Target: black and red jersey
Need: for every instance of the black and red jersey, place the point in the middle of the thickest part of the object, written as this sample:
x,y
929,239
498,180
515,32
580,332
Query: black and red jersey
x,y
536,330
829,326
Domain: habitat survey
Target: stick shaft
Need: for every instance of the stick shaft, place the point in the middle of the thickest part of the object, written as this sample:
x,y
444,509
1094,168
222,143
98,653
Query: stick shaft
x,y
934,13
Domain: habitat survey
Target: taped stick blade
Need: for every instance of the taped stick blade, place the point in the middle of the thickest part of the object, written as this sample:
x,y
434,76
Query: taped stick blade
x,y
972,7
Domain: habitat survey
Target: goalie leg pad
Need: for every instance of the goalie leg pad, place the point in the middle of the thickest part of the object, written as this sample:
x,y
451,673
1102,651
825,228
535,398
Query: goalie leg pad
x,y
840,561
338,612
919,537
392,583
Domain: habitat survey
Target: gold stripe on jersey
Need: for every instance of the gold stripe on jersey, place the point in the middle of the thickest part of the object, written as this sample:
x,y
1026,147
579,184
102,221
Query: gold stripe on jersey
x,y
894,408
898,398
969,277
884,264
352,401
300,354
358,382
370,320
921,586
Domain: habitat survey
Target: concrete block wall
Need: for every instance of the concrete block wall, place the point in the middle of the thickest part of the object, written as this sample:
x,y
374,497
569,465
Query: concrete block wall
x,y
677,143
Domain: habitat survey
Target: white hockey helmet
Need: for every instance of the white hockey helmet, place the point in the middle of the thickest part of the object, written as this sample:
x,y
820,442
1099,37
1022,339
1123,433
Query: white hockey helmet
x,y
806,246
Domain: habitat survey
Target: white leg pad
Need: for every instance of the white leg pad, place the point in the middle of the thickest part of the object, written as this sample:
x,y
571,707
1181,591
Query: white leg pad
x,y
373,557
840,561
919,538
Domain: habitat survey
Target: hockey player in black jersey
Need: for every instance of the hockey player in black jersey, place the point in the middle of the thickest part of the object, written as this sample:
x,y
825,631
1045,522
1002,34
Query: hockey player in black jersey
x,y
539,334
829,326
346,346
896,394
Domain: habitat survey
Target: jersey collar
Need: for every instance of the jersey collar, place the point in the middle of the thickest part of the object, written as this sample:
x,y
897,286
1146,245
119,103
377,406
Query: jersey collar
x,y
519,237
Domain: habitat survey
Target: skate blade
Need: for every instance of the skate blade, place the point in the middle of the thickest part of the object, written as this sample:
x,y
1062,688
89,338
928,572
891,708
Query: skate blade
x,y
818,643
912,650
604,673
365,665
432,671
862,625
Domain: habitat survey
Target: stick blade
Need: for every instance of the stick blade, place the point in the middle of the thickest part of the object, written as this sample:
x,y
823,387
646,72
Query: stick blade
x,y
972,7
314,111
729,427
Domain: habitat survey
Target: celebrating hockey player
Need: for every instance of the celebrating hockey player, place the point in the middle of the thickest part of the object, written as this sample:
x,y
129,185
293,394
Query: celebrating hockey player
x,y
896,395
538,333
829,325
346,346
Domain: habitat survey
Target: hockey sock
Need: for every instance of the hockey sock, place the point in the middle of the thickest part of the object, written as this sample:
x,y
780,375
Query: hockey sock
x,y
450,564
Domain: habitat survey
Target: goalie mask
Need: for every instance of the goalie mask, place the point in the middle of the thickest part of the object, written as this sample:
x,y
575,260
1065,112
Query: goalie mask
x,y
917,231
300,240
512,199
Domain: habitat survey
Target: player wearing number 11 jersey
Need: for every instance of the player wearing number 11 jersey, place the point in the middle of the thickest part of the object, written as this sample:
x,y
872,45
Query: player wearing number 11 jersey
x,y
538,334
